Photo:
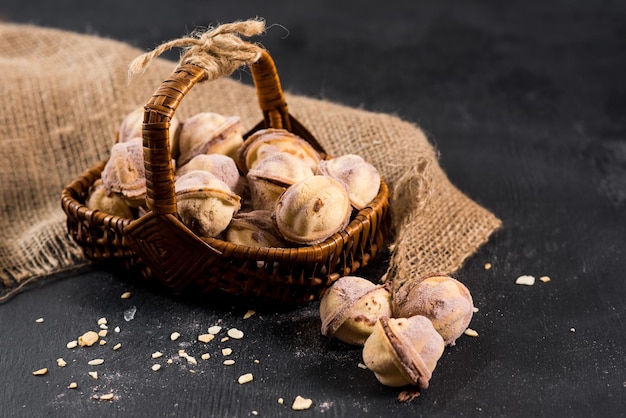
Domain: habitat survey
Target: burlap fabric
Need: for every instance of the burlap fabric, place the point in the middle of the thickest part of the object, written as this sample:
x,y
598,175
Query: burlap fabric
x,y
66,93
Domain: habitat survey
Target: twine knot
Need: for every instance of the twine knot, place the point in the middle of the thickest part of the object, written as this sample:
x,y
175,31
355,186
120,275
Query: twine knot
x,y
219,51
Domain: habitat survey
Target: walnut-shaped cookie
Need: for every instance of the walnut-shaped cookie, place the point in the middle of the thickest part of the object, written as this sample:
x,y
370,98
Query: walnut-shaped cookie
x,y
403,351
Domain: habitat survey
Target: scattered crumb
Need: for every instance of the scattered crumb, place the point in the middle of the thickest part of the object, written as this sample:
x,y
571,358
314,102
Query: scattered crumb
x,y
95,362
157,354
117,346
474,309
229,362
103,342
73,385
223,340
572,329
191,360
106,397
125,295
88,339
487,266
248,314
227,351
235,333
39,320
61,362
525,280
245,378
40,372
205,356
545,279
255,413
72,344
470,333
215,329
102,321
408,395
281,401
205,338
104,326
362,366
116,329
94,375
174,336
169,361
256,361
300,403
129,314
156,367
103,333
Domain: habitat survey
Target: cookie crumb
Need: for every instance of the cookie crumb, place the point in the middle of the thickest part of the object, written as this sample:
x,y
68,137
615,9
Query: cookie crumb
x,y
227,351
205,356
125,295
174,336
95,362
157,354
72,385
39,320
408,395
40,372
106,397
300,403
102,321
229,362
117,346
205,338
488,266
94,375
572,330
156,367
61,362
525,280
88,339
72,344
248,314
545,279
235,333
245,378
362,366
470,332
281,401
215,329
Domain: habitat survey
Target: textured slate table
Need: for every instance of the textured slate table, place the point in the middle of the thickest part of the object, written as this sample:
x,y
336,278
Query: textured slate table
x,y
526,103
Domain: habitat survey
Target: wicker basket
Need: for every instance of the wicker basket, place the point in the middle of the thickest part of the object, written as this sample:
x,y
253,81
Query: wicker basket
x,y
160,247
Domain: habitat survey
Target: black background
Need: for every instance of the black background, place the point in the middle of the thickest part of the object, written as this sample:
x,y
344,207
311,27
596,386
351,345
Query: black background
x,y
525,102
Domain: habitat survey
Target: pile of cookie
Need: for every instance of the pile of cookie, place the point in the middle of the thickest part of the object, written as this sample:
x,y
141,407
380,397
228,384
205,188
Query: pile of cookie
x,y
272,189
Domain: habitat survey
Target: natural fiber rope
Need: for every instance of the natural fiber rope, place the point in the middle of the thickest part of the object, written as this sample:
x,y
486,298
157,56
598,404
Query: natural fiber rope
x,y
218,51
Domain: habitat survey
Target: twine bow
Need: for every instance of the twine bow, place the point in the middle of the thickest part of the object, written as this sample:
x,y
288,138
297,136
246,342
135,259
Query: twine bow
x,y
219,52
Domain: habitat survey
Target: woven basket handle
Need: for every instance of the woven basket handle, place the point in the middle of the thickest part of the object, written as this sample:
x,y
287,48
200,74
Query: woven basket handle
x,y
161,195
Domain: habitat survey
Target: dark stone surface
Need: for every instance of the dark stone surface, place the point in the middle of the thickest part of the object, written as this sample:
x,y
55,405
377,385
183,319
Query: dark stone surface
x,y
526,103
